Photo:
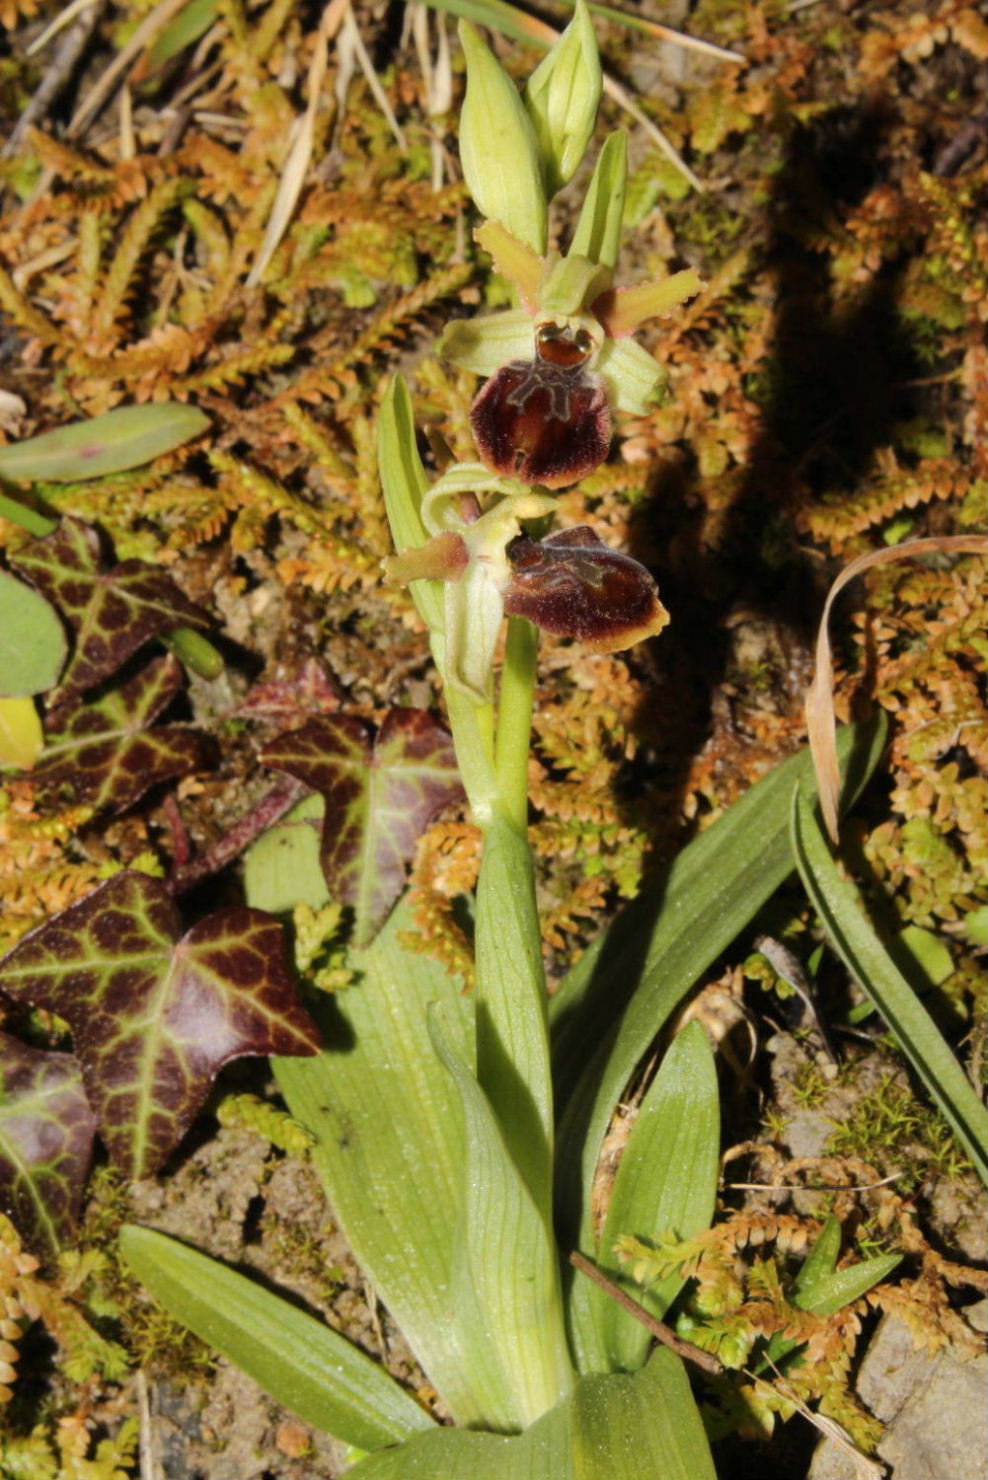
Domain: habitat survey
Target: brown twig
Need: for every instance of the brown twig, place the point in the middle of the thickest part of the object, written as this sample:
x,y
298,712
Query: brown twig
x,y
268,811
685,1349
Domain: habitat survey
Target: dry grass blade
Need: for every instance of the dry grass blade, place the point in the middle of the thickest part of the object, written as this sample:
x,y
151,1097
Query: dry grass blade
x,y
821,721
300,152
147,31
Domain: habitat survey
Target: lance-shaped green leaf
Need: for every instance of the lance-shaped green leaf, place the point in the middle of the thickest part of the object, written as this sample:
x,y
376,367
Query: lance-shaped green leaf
x,y
498,148
405,484
562,97
156,1014
506,1288
106,753
390,1140
380,796
122,439
611,1427
112,612
46,1142
301,1362
623,989
32,640
850,932
666,1179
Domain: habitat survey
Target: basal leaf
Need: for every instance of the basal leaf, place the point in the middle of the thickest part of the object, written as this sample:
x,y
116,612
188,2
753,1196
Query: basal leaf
x,y
666,1179
46,1142
32,640
301,1362
611,1427
155,1014
105,753
111,612
380,796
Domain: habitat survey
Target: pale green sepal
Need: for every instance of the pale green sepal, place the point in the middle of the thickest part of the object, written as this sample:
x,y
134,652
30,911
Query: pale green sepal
x,y
629,307
571,287
562,96
611,1427
486,343
666,1181
630,373
405,484
506,1290
850,932
598,231
499,152
299,1361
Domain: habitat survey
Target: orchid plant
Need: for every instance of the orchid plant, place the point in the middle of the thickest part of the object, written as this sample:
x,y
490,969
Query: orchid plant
x,y
458,1135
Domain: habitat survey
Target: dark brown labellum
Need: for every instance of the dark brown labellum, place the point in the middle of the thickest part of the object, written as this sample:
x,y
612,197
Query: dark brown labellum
x,y
543,420
571,584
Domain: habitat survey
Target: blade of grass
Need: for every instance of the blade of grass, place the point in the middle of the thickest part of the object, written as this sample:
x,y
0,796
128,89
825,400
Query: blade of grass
x,y
850,932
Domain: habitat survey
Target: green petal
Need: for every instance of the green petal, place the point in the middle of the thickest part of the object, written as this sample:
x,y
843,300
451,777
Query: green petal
x,y
486,343
630,373
598,231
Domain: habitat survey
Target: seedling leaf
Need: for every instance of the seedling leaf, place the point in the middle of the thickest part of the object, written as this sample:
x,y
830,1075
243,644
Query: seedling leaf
x,y
104,753
112,613
122,439
21,736
380,796
155,1015
46,1142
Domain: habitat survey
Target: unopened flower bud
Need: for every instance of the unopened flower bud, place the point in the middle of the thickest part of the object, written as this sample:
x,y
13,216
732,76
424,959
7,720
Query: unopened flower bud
x,y
562,97
499,151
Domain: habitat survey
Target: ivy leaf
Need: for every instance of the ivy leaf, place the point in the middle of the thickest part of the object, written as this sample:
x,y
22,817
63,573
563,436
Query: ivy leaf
x,y
112,612
105,753
46,1142
380,797
155,1016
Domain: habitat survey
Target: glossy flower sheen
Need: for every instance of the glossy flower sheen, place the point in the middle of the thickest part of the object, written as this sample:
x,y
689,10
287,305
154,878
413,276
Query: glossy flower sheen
x,y
572,585
545,420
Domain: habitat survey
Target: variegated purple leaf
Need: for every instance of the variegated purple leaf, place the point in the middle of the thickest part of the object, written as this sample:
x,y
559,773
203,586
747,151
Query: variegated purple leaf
x,y
156,1014
105,753
380,797
46,1142
111,612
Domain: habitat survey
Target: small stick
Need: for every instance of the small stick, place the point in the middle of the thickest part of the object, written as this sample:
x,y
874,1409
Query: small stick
x,y
685,1349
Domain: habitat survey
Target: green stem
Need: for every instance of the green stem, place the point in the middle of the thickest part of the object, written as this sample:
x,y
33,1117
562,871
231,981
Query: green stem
x,y
514,720
473,737
25,518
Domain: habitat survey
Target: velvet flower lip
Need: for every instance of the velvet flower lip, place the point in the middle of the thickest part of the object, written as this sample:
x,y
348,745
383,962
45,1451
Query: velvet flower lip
x,y
558,364
569,584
